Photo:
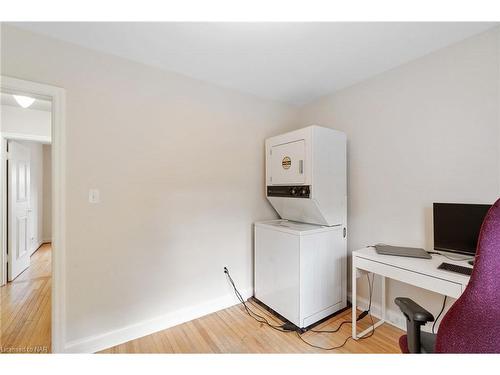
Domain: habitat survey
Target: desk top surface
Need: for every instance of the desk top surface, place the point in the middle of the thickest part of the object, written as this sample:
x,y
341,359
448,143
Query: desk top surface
x,y
423,266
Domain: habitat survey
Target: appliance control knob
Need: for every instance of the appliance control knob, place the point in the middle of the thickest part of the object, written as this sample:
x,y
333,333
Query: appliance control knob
x,y
293,191
303,191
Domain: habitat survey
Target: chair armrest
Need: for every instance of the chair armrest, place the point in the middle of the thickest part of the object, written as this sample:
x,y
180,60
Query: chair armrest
x,y
413,311
416,316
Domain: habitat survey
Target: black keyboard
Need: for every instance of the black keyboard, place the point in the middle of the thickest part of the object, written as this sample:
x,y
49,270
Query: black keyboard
x,y
455,268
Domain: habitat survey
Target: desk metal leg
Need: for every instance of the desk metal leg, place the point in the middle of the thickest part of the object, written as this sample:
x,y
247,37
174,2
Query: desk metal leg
x,y
355,335
383,297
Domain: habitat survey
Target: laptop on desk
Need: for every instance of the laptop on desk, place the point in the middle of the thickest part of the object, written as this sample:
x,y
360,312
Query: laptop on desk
x,y
411,252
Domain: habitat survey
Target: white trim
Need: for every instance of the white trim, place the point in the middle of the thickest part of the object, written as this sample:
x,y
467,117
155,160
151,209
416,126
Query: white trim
x,y
27,137
36,247
3,203
134,331
58,97
393,317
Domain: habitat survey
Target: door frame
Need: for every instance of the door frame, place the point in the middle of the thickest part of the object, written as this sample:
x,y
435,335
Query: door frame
x,y
58,297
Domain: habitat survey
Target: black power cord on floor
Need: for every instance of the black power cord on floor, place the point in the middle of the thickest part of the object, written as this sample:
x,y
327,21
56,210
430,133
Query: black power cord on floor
x,y
361,316
284,327
322,347
250,312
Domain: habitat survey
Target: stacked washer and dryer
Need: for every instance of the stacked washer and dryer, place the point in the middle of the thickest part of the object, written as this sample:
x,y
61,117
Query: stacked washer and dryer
x,y
300,260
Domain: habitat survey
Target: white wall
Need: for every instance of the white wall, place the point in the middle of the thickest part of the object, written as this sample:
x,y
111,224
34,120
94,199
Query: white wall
x,y
425,132
47,194
180,168
25,121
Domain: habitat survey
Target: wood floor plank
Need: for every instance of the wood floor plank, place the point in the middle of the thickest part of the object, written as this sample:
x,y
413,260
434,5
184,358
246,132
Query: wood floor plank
x,y
233,331
26,312
26,307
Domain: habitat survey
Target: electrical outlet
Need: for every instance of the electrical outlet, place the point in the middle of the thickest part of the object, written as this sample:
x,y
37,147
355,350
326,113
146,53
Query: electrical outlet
x,y
94,196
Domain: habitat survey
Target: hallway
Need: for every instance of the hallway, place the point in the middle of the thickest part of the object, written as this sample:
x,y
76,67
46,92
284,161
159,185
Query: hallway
x,y
25,313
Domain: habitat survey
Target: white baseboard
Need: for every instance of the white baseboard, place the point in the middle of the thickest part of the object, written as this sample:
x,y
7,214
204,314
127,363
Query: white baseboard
x,y
393,317
36,247
38,244
134,331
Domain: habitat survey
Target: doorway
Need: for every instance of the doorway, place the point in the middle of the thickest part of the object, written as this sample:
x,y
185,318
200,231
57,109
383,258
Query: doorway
x,y
25,130
32,237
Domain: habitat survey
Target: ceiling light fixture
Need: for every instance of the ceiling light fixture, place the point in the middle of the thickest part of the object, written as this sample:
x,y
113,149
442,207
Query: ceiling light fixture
x,y
24,101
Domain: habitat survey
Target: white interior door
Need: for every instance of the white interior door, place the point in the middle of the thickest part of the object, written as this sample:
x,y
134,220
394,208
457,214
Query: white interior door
x,y
18,198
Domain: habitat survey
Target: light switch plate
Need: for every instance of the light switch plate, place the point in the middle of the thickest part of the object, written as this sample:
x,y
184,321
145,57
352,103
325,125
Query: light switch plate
x,y
94,196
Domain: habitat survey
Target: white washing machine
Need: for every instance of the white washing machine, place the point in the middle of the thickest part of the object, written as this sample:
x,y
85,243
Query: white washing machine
x,y
300,269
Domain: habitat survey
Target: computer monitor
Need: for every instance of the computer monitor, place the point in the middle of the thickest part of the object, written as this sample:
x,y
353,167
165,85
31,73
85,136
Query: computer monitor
x,y
457,226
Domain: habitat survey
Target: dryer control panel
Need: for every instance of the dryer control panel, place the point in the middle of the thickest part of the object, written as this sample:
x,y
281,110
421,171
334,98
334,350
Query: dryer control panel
x,y
302,191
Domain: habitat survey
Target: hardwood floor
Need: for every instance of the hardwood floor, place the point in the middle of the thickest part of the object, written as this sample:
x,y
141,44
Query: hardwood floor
x,y
25,326
233,331
25,310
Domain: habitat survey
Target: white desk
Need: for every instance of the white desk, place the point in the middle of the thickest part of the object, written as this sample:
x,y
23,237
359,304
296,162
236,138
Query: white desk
x,y
423,273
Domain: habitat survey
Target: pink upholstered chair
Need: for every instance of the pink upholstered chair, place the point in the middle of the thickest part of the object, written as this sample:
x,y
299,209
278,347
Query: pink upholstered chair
x,y
472,324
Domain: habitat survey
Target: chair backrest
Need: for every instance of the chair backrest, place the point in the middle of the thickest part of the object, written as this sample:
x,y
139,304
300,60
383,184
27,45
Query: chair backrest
x,y
472,324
